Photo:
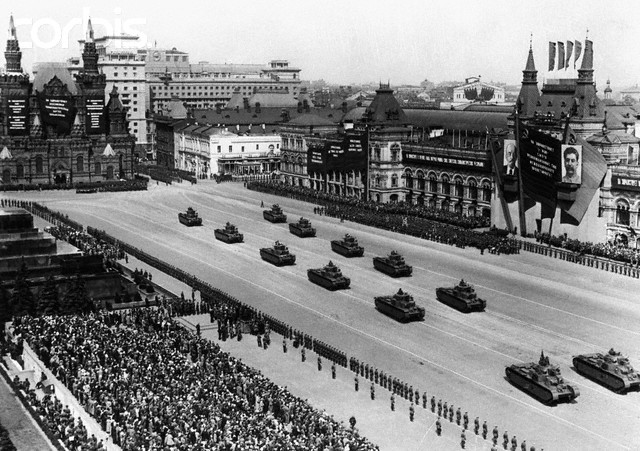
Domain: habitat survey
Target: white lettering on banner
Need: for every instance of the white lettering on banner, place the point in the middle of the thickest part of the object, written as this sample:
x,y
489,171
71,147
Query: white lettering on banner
x,y
445,160
628,182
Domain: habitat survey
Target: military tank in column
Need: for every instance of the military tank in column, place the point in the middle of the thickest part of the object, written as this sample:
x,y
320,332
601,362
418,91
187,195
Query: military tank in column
x,y
393,265
348,246
278,255
329,277
302,228
461,297
400,307
610,369
229,234
190,218
274,215
542,380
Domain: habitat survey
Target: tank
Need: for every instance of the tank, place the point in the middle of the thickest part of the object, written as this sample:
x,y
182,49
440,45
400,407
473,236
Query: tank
x,y
278,255
229,234
190,218
393,265
275,214
461,297
610,369
542,380
400,307
302,228
348,246
329,277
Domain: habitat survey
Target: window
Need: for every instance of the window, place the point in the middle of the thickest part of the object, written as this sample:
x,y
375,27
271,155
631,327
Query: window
x,y
97,168
459,189
19,171
486,192
394,181
433,183
219,149
79,163
230,148
257,146
622,212
446,187
473,189
242,149
395,152
39,168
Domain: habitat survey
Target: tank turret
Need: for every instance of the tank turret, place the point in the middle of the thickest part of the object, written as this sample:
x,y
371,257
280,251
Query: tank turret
x,y
348,246
400,306
278,255
461,297
393,265
542,380
329,277
229,234
274,215
302,228
190,218
610,369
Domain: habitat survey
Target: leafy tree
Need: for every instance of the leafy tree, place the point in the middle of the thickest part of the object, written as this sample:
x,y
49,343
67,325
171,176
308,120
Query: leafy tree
x,y
49,304
76,300
22,300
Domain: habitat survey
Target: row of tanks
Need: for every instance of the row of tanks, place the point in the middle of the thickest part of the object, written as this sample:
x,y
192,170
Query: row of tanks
x,y
543,380
190,218
229,234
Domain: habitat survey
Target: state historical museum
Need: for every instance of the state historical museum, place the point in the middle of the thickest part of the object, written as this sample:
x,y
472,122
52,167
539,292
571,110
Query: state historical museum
x,y
58,129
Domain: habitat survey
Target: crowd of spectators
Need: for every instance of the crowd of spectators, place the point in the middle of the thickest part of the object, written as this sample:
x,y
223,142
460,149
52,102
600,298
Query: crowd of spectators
x,y
86,243
617,252
5,441
154,385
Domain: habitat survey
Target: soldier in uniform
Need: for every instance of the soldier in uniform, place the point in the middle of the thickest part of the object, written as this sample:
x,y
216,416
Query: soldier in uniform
x,y
476,425
356,382
463,439
333,370
495,435
433,404
259,340
372,390
458,416
445,409
303,355
393,402
319,364
514,443
438,426
451,414
424,400
284,345
465,420
439,407
523,445
412,412
485,429
411,393
505,439
375,375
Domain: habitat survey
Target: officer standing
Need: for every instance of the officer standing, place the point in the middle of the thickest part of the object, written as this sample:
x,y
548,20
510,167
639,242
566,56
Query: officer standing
x,y
412,412
458,416
372,390
393,402
465,420
485,429
424,400
356,382
333,370
319,364
438,426
476,425
284,345
463,439
303,355
495,435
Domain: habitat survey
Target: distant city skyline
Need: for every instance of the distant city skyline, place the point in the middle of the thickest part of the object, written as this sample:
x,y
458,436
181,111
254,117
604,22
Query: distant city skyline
x,y
350,42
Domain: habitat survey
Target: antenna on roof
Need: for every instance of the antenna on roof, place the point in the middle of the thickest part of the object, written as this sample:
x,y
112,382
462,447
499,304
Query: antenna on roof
x,y
531,41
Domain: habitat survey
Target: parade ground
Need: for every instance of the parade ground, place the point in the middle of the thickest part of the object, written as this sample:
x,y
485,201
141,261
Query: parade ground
x,y
534,303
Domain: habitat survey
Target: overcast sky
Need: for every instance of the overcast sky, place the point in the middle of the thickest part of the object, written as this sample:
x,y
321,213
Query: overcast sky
x,y
403,41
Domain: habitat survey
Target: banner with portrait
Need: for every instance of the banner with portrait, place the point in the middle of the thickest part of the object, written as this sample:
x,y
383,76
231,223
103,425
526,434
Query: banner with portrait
x,y
571,164
509,157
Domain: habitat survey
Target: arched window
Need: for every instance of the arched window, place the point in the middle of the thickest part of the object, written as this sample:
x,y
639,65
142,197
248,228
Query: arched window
x,y
98,168
432,203
473,189
420,180
408,178
622,212
395,152
486,191
79,164
393,198
445,205
394,181
458,208
471,211
39,168
446,186
433,183
19,171
459,189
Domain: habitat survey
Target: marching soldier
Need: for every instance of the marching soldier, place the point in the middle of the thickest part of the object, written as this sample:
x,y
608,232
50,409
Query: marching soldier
x,y
411,393
433,404
463,439
376,375
476,425
303,355
333,370
465,420
451,414
412,412
284,345
439,407
514,443
438,426
458,416
259,340
424,400
495,435
319,364
485,429
372,390
356,382
393,402
505,440
445,410
523,445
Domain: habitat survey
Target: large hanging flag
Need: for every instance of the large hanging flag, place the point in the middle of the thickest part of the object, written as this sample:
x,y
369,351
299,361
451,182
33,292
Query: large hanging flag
x,y
552,55
594,168
577,53
569,51
560,55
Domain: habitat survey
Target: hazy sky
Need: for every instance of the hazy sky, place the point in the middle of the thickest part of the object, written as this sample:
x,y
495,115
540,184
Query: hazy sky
x,y
403,41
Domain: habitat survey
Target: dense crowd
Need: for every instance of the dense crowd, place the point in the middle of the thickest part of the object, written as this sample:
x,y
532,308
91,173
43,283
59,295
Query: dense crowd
x,y
341,202
152,385
5,441
86,243
617,252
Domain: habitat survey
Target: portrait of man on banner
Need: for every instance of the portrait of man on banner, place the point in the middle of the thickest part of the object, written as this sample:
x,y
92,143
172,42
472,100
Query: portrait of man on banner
x,y
510,161
572,164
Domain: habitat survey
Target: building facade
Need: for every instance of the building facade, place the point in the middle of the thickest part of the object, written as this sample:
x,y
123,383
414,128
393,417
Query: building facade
x,y
475,90
58,129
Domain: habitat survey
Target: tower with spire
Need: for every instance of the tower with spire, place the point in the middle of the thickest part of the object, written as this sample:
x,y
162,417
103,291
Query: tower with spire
x,y
15,89
91,86
12,54
529,93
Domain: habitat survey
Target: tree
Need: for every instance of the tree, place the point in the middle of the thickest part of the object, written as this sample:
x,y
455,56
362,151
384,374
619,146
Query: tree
x,y
49,304
22,301
75,300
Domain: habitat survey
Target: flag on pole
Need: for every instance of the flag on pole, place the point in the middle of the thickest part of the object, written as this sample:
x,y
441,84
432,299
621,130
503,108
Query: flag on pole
x,y
552,55
569,51
560,55
577,53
